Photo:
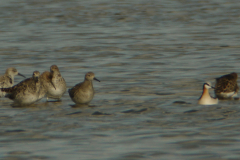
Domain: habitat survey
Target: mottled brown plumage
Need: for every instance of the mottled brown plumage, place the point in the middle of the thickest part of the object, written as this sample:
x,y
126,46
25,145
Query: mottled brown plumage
x,y
226,86
25,92
52,84
7,80
83,92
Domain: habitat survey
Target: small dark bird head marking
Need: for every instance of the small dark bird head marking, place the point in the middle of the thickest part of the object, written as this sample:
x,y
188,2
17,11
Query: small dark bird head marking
x,y
36,75
13,71
90,76
54,68
207,85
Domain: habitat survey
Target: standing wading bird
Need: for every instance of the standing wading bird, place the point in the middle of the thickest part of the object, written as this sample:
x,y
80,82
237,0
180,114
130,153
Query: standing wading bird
x,y
226,86
82,93
7,80
25,92
206,99
52,84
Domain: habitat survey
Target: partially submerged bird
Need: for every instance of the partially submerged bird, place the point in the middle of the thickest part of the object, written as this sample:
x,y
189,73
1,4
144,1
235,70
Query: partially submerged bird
x,y
7,80
25,92
82,93
206,99
226,86
52,84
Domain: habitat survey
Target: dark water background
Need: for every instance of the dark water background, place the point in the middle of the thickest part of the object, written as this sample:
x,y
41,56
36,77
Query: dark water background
x,y
152,58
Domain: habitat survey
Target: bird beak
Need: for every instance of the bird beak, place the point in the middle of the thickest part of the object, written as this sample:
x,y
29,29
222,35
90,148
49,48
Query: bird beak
x,y
212,87
21,75
96,79
53,85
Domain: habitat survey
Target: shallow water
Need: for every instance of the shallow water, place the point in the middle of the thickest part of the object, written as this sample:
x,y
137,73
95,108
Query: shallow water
x,y
152,58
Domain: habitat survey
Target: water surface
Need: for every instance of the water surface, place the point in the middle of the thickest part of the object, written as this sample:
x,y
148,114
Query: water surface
x,y
152,58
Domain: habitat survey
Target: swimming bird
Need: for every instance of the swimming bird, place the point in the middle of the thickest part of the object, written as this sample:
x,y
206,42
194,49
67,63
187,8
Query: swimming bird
x,y
226,86
206,99
25,92
82,93
52,84
7,80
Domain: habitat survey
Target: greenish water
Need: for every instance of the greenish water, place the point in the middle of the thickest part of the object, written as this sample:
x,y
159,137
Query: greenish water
x,y
149,55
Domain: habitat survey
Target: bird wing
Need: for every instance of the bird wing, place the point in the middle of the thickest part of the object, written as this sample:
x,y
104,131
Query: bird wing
x,y
75,89
226,83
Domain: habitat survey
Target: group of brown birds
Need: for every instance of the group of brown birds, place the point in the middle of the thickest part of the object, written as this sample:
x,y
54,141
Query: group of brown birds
x,y
50,84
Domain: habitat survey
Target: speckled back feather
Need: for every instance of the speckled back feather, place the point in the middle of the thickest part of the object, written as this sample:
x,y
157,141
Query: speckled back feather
x,y
226,83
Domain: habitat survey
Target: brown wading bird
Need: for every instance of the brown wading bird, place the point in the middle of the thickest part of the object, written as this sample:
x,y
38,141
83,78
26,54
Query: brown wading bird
x,y
25,92
52,84
82,93
7,80
226,86
206,99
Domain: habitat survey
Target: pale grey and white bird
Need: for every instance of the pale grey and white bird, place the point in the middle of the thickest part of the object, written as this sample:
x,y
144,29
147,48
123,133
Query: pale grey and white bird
x,y
25,92
206,99
226,86
82,93
53,84
7,80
